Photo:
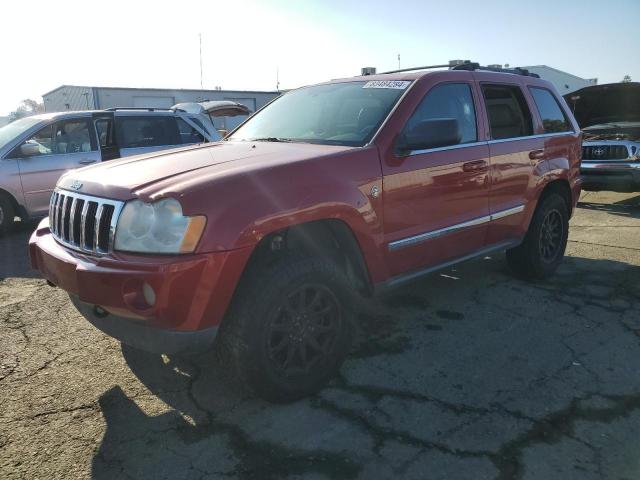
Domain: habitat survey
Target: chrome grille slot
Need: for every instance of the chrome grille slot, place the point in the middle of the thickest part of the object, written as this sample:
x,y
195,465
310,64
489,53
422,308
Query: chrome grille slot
x,y
84,222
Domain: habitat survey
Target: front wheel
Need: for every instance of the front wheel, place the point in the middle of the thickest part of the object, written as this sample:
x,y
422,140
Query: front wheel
x,y
543,248
6,214
289,328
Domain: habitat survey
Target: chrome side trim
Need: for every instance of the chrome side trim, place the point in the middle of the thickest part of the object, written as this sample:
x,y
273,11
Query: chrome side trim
x,y
507,212
542,135
442,149
486,142
422,237
406,242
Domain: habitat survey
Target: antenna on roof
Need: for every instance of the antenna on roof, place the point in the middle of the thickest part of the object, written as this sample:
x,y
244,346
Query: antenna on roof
x,y
201,84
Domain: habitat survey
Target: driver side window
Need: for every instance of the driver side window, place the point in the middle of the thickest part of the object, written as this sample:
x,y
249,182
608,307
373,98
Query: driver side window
x,y
448,101
72,137
42,140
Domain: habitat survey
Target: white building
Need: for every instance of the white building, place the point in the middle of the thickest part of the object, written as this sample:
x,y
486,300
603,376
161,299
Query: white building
x,y
563,81
73,97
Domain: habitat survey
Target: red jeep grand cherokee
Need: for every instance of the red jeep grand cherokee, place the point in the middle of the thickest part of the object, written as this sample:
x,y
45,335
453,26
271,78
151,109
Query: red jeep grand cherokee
x,y
345,187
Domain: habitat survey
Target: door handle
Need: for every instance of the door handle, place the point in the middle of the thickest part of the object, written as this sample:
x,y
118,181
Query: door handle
x,y
475,166
86,161
536,155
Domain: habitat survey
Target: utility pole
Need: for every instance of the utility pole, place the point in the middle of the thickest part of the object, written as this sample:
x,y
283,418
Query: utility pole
x,y
277,79
201,84
398,61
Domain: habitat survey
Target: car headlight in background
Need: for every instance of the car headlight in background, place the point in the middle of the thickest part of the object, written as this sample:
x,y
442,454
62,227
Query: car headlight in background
x,y
158,227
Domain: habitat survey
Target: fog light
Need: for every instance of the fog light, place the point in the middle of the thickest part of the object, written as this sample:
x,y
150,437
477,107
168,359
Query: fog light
x,y
149,294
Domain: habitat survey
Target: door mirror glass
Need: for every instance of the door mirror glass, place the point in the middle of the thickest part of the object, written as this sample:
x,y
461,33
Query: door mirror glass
x,y
29,149
432,133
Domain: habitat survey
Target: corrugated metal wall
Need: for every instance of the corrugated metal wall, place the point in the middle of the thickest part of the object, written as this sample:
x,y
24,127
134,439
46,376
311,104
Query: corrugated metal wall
x,y
69,97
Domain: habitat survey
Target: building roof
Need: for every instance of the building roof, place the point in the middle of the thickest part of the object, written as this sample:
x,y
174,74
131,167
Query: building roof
x,y
160,89
558,71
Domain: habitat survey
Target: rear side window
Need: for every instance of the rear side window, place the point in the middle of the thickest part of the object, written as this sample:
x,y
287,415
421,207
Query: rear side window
x,y
136,132
449,100
553,118
509,115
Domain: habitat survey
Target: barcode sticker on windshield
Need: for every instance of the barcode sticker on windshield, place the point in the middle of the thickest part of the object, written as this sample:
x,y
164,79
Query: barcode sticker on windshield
x,y
395,84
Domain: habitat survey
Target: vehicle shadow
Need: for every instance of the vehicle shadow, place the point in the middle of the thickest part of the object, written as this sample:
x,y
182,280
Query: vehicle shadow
x,y
486,336
14,251
629,207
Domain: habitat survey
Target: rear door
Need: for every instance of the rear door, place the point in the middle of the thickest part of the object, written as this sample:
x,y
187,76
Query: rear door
x,y
436,200
63,146
516,159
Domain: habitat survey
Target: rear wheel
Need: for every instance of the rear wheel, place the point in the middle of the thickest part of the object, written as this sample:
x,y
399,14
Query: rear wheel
x,y
543,248
7,213
289,328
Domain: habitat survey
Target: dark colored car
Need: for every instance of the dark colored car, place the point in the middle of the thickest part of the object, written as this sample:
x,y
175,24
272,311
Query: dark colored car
x,y
609,116
334,190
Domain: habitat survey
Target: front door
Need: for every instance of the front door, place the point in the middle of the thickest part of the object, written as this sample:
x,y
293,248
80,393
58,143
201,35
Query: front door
x,y
436,200
61,147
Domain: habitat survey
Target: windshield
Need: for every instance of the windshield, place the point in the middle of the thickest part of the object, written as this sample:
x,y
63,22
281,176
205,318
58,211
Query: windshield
x,y
14,129
335,114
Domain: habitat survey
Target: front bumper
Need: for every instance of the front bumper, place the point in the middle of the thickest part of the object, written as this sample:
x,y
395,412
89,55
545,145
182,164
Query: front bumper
x,y
613,176
192,291
144,337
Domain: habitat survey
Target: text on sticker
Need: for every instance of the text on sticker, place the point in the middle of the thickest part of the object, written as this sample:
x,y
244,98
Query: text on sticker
x,y
396,84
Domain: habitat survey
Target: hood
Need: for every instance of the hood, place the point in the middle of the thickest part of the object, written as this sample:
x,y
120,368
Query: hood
x,y
609,103
186,168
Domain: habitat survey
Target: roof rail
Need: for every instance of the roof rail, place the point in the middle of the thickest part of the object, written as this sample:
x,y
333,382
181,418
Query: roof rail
x,y
471,66
146,109
427,67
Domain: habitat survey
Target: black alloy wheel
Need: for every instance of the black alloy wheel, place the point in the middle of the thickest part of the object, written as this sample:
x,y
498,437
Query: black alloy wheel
x,y
304,329
551,233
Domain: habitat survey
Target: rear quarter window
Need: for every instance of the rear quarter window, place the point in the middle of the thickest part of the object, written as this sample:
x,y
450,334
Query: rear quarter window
x,y
553,117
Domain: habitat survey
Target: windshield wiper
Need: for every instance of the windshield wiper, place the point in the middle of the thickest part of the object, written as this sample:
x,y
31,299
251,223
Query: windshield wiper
x,y
271,139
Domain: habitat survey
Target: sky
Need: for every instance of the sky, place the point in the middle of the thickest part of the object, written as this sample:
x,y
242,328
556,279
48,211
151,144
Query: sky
x,y
249,45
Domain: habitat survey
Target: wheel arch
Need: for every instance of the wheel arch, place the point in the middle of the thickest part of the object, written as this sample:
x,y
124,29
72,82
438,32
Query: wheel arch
x,y
329,238
561,187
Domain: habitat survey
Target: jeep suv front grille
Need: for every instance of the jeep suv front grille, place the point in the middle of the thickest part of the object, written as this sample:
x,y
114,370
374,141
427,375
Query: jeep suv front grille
x,y
605,152
83,222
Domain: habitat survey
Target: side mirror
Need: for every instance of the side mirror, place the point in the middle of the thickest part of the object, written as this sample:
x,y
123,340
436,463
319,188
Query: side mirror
x,y
434,133
30,149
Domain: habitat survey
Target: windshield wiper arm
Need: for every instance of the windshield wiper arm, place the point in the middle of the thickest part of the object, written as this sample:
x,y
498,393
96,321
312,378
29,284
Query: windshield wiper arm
x,y
271,139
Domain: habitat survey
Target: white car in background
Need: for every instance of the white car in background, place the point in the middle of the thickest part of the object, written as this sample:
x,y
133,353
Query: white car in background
x,y
35,151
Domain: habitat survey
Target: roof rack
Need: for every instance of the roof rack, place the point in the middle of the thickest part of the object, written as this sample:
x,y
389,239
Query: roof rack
x,y
145,109
471,66
427,67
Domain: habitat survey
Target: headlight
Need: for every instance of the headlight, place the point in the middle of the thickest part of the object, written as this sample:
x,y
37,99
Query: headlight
x,y
157,227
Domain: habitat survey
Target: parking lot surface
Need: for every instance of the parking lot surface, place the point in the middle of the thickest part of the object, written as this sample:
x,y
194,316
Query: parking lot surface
x,y
470,373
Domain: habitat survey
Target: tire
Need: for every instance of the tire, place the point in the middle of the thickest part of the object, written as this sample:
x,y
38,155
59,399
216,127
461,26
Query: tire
x,y
545,242
296,311
7,213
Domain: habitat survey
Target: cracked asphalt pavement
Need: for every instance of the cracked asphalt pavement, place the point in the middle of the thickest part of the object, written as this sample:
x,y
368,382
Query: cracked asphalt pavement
x,y
467,374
